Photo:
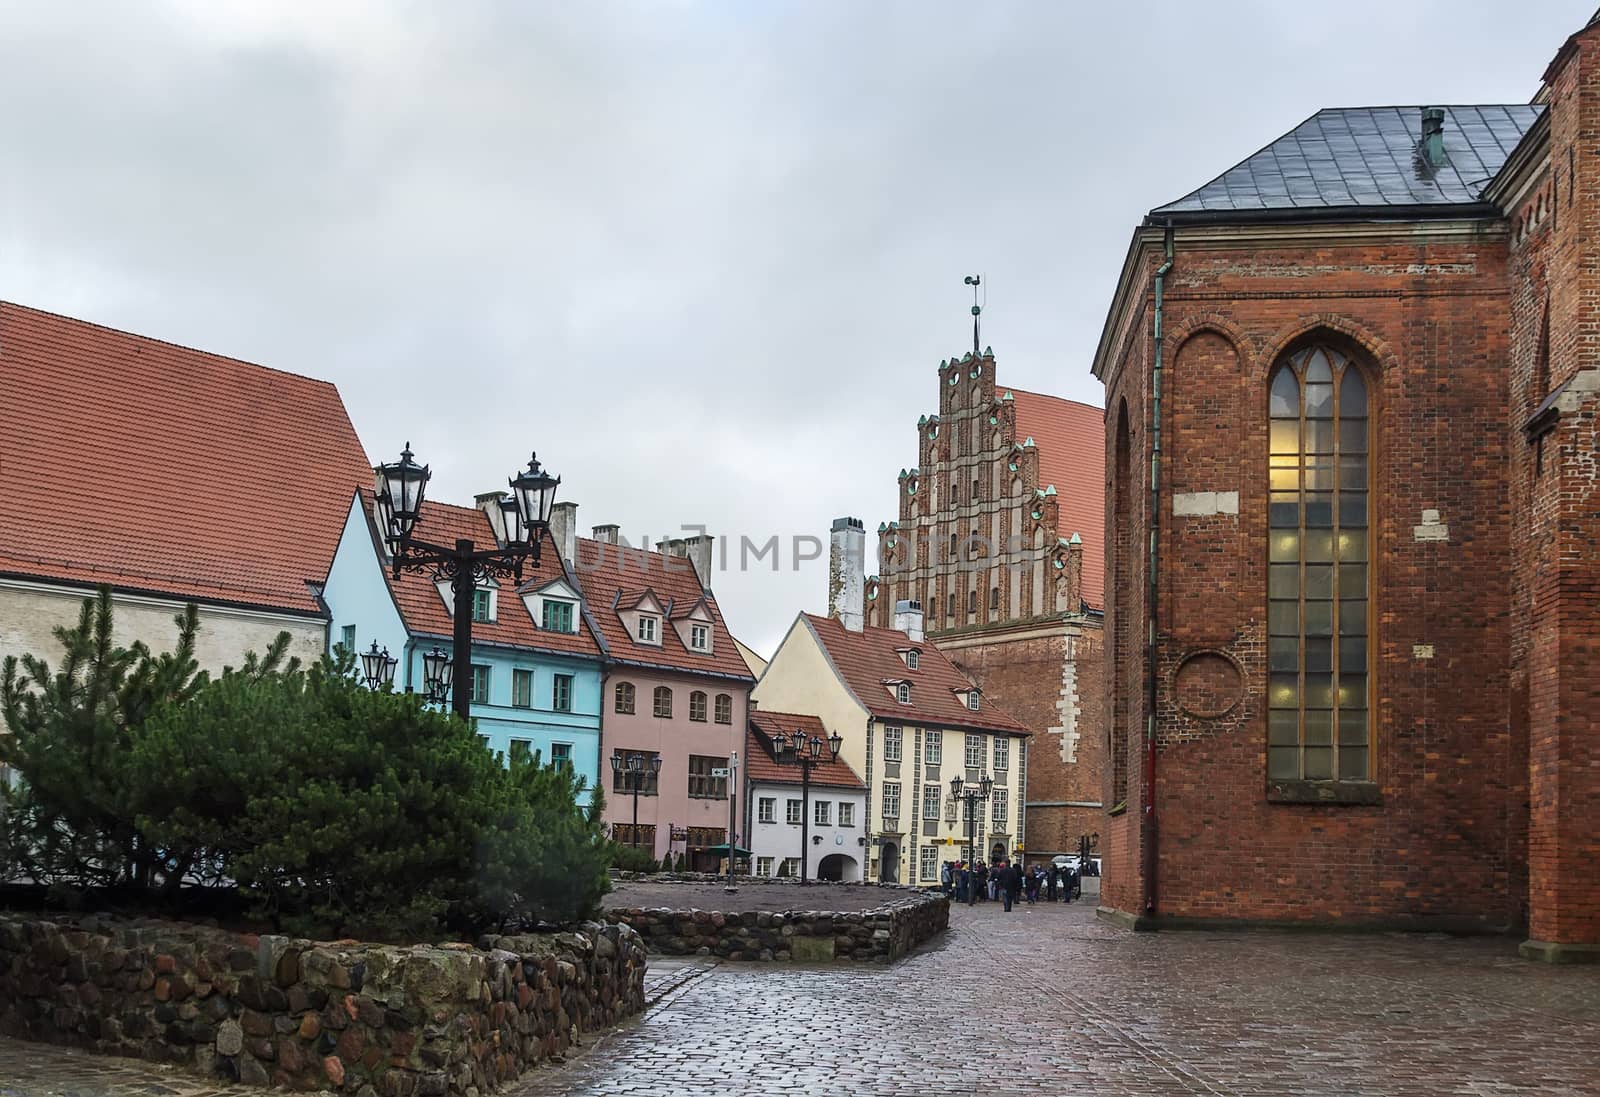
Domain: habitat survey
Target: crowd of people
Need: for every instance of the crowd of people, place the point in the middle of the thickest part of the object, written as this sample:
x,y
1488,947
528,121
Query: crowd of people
x,y
1008,883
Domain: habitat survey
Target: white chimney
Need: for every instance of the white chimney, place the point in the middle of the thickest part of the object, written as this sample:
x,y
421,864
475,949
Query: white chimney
x,y
846,575
698,550
908,618
607,535
564,530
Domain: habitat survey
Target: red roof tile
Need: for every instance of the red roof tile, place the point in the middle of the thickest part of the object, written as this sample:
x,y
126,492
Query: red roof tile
x,y
761,761
1072,455
868,659
158,468
423,608
610,573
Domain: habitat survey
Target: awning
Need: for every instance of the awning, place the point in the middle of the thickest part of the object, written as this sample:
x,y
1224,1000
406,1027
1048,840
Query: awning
x,y
722,850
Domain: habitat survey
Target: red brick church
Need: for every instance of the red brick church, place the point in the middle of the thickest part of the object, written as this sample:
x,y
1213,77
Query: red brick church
x,y
1353,511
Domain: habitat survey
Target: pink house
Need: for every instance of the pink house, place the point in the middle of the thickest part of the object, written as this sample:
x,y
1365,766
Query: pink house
x,y
675,691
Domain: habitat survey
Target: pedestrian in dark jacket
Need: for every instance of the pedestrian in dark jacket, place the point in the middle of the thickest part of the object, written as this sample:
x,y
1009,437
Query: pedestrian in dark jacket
x,y
1053,878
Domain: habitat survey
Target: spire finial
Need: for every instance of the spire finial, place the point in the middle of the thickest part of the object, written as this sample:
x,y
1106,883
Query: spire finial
x,y
974,281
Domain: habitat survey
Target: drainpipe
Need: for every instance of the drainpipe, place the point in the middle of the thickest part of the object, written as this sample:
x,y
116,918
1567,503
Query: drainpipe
x,y
1149,831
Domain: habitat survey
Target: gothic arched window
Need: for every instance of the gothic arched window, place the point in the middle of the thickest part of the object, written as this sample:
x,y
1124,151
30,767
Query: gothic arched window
x,y
1319,727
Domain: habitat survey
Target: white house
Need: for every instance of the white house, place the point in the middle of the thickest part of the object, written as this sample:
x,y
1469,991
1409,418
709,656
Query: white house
x,y
821,811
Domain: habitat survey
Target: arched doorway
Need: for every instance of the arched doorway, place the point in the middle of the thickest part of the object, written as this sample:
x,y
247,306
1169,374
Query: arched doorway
x,y
889,864
840,868
997,854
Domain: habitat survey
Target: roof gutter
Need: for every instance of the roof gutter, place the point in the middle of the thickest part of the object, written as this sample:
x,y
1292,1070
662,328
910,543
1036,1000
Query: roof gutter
x,y
1421,211
1149,829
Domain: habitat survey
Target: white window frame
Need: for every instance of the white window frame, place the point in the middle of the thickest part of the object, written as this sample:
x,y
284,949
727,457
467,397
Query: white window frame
x,y
793,865
649,628
767,809
764,866
911,659
999,806
794,812
700,637
891,792
902,693
1002,752
976,748
928,867
973,700
847,814
822,813
932,797
932,747
894,738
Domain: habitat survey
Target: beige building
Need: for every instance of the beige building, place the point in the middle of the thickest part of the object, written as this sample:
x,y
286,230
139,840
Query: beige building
x,y
910,722
173,476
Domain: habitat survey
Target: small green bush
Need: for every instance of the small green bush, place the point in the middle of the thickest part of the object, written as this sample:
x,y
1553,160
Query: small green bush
x,y
630,859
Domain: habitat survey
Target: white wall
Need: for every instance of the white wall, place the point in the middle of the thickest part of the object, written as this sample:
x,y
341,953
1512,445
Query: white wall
x,y
779,839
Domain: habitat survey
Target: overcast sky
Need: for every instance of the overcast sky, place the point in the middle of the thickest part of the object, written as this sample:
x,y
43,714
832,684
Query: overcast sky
x,y
704,257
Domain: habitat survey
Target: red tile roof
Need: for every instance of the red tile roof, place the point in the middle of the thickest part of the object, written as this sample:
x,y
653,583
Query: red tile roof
x,y
1072,455
157,468
868,659
762,763
607,573
423,609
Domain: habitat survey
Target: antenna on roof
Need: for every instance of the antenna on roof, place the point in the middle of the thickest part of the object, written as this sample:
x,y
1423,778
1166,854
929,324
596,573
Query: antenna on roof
x,y
974,280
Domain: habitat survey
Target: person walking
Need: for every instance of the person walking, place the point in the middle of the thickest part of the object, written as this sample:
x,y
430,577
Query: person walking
x,y
983,880
944,878
1050,882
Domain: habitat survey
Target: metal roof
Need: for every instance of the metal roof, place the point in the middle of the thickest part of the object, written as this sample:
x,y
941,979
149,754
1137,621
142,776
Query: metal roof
x,y
1353,158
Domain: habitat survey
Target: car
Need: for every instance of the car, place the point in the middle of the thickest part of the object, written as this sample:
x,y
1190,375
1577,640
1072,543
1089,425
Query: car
x,y
1065,860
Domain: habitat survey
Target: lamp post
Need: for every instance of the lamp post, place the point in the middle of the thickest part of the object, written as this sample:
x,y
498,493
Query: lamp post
x,y
805,752
733,778
377,667
973,797
518,520
633,778
437,670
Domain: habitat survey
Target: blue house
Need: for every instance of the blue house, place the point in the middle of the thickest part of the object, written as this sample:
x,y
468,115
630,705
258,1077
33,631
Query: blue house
x,y
536,663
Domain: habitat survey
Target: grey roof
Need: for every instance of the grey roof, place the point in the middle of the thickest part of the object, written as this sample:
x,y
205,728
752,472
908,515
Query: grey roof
x,y
1348,158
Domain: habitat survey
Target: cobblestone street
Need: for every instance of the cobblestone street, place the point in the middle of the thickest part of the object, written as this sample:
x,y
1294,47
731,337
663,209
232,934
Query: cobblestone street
x,y
1048,1000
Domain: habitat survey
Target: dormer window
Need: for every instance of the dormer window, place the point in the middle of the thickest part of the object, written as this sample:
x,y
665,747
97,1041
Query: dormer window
x,y
483,605
972,700
902,693
911,659
700,637
557,616
647,629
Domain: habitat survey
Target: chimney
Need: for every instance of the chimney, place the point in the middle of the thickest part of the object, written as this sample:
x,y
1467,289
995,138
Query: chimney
x,y
908,618
489,502
698,549
846,573
1431,147
564,530
607,535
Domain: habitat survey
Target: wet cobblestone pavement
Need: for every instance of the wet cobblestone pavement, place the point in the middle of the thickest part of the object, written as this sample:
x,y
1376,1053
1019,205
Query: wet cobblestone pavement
x,y
1049,1001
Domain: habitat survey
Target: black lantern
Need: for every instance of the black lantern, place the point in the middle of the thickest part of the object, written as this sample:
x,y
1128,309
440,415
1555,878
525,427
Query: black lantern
x,y
400,487
535,493
798,741
377,667
955,786
835,743
438,669
512,530
655,764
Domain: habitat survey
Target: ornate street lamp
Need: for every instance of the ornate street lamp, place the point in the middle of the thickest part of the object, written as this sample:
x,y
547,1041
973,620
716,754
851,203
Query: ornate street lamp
x,y
632,769
519,521
805,752
377,667
973,797
437,671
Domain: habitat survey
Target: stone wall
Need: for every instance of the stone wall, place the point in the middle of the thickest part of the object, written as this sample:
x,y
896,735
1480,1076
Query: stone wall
x,y
880,934
428,1021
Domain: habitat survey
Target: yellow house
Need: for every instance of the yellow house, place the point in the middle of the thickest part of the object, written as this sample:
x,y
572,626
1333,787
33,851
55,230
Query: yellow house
x,y
910,721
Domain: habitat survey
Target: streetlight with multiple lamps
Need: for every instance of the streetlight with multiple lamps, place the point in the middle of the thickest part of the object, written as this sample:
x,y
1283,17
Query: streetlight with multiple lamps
x,y
973,796
377,667
805,752
519,521
633,771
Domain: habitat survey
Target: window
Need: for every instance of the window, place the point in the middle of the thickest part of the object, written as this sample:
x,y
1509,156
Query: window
x,y
347,638
663,702
622,779
647,629
792,812
561,693
975,751
930,802
975,492
521,750
902,693
522,689
766,809
950,599
624,697
482,603
763,866
1317,619
480,684
702,785
643,836
822,813
847,815
558,616
933,748
972,601
973,700
928,868
561,755
893,737
724,709
700,637
911,659
997,798
994,599
484,739
790,867
697,707
891,799
1002,752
